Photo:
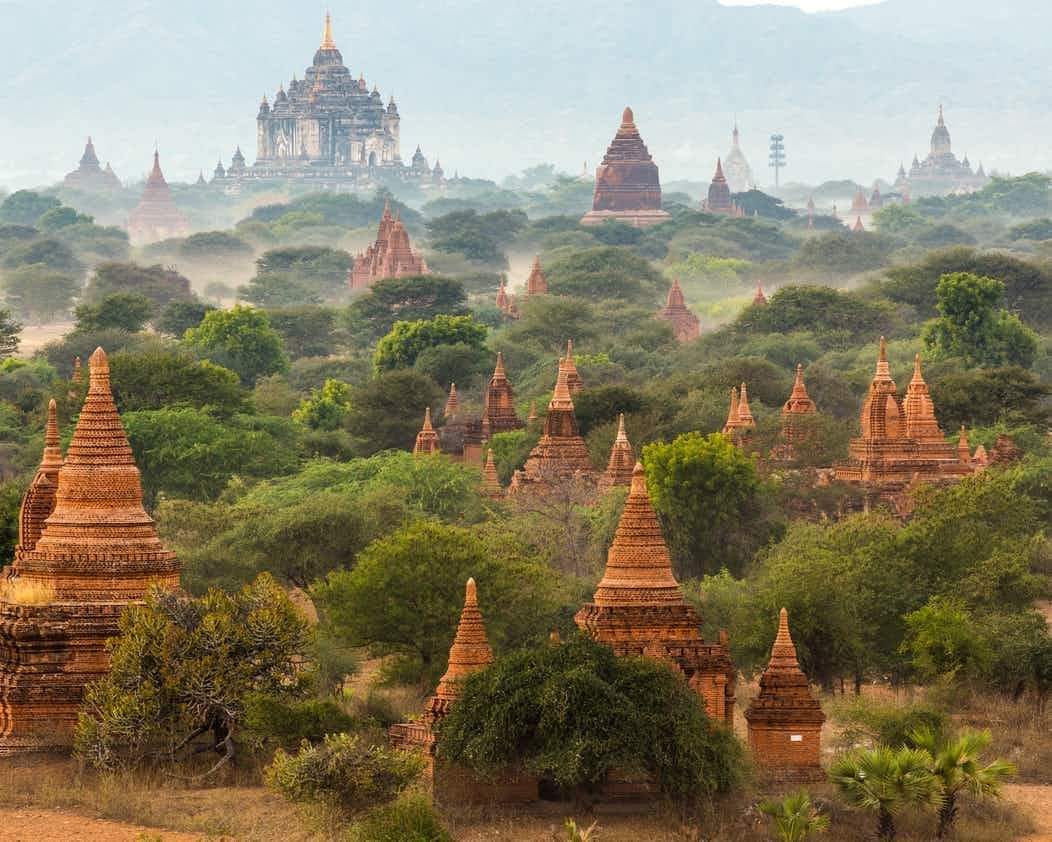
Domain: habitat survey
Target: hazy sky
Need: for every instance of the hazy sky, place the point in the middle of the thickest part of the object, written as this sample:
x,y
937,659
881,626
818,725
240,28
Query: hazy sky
x,y
806,5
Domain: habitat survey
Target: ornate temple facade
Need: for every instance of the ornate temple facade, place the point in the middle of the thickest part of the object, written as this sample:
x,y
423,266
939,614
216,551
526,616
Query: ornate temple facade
x,y
627,186
901,443
89,176
390,256
940,172
736,167
156,217
87,549
639,609
785,720
719,197
685,325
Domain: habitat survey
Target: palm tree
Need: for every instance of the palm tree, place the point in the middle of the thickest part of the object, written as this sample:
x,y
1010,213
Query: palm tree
x,y
955,765
885,780
795,816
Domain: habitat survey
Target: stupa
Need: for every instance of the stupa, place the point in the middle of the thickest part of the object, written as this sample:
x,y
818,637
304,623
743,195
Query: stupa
x,y
389,256
639,609
89,176
799,405
452,408
427,439
719,197
536,283
735,165
759,298
156,217
627,186
573,380
87,549
622,460
490,481
685,325
785,720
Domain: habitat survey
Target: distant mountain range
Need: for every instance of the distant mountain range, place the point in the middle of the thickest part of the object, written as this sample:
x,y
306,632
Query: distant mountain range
x,y
493,89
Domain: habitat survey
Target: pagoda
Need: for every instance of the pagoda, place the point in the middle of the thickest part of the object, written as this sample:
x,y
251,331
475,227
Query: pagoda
x,y
389,256
639,609
505,302
759,299
719,198
685,325
561,453
156,217
427,439
490,481
735,165
465,438
627,186
89,176
901,441
941,173
799,405
785,720
87,549
452,408
573,380
536,283
622,459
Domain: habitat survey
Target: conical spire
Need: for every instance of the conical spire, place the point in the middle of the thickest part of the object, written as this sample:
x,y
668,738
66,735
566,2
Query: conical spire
x,y
326,36
719,176
452,402
784,700
498,369
638,567
783,653
619,467
490,480
799,389
759,298
561,399
427,441
39,500
52,446
964,450
76,370
569,367
733,420
745,418
536,283
883,371
799,402
675,295
470,651
533,412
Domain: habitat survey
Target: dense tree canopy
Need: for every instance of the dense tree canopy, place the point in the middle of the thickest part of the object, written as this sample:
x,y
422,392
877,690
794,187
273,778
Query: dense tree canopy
x,y
240,339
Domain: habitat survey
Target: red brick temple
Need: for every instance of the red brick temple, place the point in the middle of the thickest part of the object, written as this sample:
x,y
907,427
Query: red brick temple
x,y
785,720
427,439
390,256
156,217
627,186
799,405
536,283
573,380
719,197
465,437
685,325
740,422
87,549
622,460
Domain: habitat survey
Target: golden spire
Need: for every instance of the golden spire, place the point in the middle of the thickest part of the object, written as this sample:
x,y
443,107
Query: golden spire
x,y
326,37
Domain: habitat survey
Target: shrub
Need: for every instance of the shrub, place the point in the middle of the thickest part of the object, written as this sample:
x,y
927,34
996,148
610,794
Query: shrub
x,y
289,723
343,772
409,819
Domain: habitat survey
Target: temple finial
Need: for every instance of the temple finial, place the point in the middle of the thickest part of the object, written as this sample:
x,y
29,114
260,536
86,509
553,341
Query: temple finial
x,y
326,37
471,594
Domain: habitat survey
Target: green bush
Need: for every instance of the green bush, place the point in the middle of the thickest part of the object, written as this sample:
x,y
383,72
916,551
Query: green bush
x,y
288,723
409,819
343,772
891,724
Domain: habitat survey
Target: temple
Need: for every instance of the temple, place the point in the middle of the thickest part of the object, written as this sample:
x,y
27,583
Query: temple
x,y
685,325
536,283
627,186
86,550
799,405
452,408
940,172
491,486
785,720
639,609
740,423
89,177
156,217
427,439
736,167
390,256
561,453
901,443
573,380
622,460
464,438
719,198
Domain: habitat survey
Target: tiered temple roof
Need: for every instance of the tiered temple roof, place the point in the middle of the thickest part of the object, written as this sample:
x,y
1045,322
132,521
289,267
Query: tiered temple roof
x,y
389,256
452,408
685,325
427,439
490,480
719,197
785,720
95,552
627,186
156,217
536,283
622,460
735,165
89,176
740,422
573,380
797,406
499,403
639,609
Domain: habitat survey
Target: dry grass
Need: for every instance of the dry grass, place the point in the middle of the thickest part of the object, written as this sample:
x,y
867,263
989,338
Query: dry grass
x,y
22,592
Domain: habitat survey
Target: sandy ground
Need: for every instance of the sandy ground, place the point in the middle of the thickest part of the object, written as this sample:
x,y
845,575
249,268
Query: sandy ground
x,y
1037,801
35,337
35,825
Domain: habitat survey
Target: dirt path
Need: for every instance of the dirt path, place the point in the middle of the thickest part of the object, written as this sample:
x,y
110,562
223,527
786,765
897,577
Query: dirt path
x,y
36,825
1036,799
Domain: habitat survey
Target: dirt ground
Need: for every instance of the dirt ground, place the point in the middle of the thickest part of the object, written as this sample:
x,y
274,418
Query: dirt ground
x,y
35,825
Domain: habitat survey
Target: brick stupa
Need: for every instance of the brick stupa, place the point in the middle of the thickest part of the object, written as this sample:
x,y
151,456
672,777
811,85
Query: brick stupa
x,y
685,325
427,439
740,422
561,453
490,481
156,217
389,256
622,460
719,198
799,405
452,409
627,186
87,549
573,380
639,609
785,720
536,283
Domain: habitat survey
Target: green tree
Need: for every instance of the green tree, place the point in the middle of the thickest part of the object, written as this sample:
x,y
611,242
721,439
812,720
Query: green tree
x,y
841,252
157,283
276,289
327,407
183,669
605,273
387,412
118,311
885,780
405,299
10,330
956,765
795,817
61,217
162,377
833,317
973,327
944,641
406,591
407,340
982,397
240,339
574,712
214,245
37,292
306,330
478,236
24,207
50,252
704,488
460,363
320,271
177,317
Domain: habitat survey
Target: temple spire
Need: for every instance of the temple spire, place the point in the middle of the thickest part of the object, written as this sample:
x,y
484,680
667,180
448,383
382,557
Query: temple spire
x,y
469,653
744,412
619,468
883,371
326,37
452,402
